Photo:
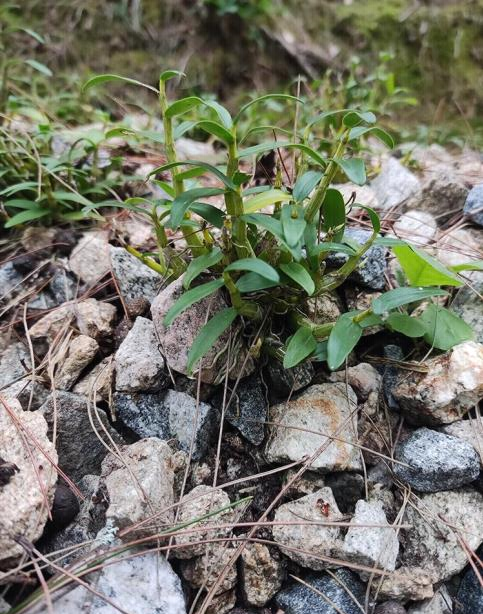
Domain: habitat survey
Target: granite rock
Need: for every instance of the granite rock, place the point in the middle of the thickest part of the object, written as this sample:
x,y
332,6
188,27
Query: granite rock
x,y
134,279
473,207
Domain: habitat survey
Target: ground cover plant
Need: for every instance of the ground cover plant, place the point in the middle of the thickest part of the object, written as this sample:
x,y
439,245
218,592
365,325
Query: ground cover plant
x,y
267,246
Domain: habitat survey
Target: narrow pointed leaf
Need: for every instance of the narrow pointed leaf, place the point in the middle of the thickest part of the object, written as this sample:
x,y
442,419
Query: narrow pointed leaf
x,y
100,79
299,275
444,329
171,74
28,215
334,215
421,269
223,114
265,199
403,296
182,203
39,67
406,325
353,168
200,264
342,340
210,213
305,184
183,106
301,345
263,99
255,265
217,130
190,297
209,334
208,167
252,282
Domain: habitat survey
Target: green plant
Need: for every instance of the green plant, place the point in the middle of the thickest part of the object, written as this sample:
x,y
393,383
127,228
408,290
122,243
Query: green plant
x,y
266,248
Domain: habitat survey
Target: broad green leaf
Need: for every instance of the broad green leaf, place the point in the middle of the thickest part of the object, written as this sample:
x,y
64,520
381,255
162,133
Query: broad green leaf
x,y
21,203
209,334
255,265
208,167
335,247
210,213
353,168
422,269
320,354
200,264
217,130
305,184
262,99
389,241
342,340
353,118
476,265
334,215
170,74
182,203
267,222
403,296
264,199
183,106
373,216
190,297
381,134
251,282
444,329
39,67
301,345
72,197
293,229
183,128
299,275
27,215
402,323
191,173
223,114
99,79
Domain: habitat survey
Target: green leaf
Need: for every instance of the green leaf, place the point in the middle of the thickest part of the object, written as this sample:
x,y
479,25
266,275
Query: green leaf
x,y
209,334
476,265
263,147
356,117
264,199
35,35
389,241
423,270
183,106
170,74
403,296
267,222
21,203
299,275
402,323
27,215
373,216
251,282
305,184
182,203
190,297
200,264
217,130
381,134
19,187
333,209
255,265
39,67
100,79
210,213
320,354
342,340
354,169
293,228
72,197
208,167
262,99
223,114
444,329
301,345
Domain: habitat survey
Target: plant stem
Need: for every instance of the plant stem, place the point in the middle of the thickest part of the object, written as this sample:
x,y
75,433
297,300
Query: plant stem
x,y
244,308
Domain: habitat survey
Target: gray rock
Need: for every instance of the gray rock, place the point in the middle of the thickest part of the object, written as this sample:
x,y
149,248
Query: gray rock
x,y
418,227
395,185
344,590
261,574
14,364
89,259
391,374
204,571
390,607
442,195
405,583
31,394
95,318
310,543
139,362
452,385
186,418
440,603
469,306
302,426
474,204
63,287
437,461
371,545
248,409
469,599
22,461
4,606
80,353
283,382
79,446
139,487
470,430
143,413
10,280
98,383
372,266
432,542
144,584
135,279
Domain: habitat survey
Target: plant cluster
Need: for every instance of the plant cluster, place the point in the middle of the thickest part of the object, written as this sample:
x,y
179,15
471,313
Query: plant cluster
x,y
266,247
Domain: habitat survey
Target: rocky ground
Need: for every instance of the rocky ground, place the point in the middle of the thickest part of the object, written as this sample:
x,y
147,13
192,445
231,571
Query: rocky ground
x,y
278,491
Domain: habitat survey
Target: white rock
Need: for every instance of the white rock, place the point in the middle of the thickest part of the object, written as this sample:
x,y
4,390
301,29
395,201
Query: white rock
x,y
90,259
95,318
440,603
470,430
438,522
27,477
140,486
98,382
135,279
53,323
371,545
300,532
139,363
363,378
452,386
405,583
395,184
15,363
418,227
457,246
81,352
198,503
306,423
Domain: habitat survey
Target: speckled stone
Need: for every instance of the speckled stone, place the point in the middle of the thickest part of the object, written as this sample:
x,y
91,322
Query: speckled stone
x,y
474,204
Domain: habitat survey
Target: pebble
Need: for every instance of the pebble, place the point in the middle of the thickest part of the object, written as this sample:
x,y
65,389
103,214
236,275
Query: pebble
x,y
80,353
473,207
134,279
395,185
89,259
443,195
284,382
262,573
469,599
440,603
15,363
248,409
95,318
417,227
